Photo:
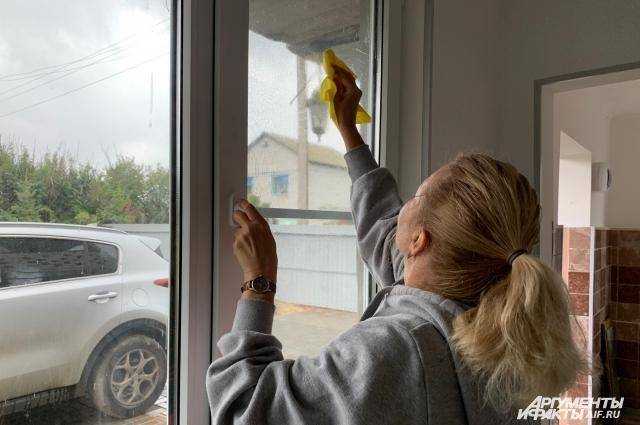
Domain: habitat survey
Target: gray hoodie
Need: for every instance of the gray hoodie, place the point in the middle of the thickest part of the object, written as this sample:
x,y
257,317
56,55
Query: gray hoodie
x,y
395,366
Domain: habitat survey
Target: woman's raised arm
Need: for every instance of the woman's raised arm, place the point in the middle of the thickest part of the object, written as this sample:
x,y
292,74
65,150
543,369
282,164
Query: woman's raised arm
x,y
375,202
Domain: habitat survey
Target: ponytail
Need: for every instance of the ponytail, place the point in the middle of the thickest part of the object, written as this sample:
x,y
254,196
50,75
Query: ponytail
x,y
483,217
519,336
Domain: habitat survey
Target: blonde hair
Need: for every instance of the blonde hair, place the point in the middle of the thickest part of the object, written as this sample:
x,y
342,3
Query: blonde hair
x,y
517,335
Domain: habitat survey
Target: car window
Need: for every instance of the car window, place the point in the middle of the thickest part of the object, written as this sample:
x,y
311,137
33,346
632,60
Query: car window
x,y
101,259
27,260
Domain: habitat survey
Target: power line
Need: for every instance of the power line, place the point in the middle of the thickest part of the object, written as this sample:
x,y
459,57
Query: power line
x,y
69,72
82,87
62,67
89,56
111,56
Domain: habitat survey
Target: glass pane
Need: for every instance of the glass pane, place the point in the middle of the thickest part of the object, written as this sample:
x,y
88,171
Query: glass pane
x,y
26,261
319,283
295,152
85,104
101,259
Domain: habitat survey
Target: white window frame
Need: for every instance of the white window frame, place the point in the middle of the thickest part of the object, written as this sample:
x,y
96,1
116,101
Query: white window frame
x,y
400,127
406,79
192,292
211,45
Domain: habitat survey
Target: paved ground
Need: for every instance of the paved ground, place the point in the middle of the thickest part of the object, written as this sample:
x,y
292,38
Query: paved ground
x,y
81,412
303,330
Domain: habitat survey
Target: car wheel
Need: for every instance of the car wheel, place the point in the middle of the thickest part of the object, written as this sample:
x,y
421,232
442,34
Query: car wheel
x,y
129,377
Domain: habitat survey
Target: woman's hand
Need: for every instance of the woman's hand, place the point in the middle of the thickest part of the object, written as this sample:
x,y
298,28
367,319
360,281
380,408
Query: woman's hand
x,y
254,246
346,103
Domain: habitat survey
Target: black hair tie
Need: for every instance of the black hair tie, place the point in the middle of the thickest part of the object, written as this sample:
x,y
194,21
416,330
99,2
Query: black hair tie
x,y
515,254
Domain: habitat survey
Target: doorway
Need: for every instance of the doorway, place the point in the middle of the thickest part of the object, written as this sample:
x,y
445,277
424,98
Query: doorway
x,y
587,148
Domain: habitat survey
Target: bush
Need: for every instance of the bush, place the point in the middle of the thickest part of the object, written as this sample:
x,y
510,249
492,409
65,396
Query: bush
x,y
57,189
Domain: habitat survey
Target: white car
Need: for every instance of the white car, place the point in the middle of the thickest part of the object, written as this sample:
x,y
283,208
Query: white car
x,y
83,312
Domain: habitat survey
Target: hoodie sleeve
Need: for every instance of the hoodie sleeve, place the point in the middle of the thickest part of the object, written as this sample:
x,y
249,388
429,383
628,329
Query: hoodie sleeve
x,y
352,381
375,204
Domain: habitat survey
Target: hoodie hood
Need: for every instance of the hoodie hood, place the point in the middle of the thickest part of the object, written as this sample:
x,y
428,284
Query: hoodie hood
x,y
431,307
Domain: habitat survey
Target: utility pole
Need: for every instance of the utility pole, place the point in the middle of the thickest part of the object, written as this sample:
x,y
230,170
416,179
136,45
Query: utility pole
x,y
303,144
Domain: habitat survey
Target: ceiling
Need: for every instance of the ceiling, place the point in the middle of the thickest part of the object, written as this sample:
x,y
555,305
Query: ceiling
x,y
621,98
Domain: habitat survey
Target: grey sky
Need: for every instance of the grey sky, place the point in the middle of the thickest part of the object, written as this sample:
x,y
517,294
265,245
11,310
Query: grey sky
x,y
128,113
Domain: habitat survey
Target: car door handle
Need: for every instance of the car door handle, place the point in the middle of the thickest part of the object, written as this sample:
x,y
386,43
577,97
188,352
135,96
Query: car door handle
x,y
102,297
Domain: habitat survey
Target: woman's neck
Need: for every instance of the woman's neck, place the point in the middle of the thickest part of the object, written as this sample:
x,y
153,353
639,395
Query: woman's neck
x,y
417,273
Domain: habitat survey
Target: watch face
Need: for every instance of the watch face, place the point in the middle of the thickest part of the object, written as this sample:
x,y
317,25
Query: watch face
x,y
260,284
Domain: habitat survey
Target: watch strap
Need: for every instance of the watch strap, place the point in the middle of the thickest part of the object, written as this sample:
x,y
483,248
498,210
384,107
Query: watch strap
x,y
260,285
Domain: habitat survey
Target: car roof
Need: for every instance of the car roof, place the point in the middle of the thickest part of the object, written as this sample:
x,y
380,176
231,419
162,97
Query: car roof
x,y
62,230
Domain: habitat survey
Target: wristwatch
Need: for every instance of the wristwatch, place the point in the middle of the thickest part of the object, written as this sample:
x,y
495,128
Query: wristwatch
x,y
259,285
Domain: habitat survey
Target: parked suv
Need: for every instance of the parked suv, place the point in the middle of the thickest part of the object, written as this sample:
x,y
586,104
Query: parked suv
x,y
83,312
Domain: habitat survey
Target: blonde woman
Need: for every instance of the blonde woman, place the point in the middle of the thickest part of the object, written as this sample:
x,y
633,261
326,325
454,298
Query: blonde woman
x,y
469,327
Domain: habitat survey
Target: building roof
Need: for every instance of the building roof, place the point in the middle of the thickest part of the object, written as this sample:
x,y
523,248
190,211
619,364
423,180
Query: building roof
x,y
318,154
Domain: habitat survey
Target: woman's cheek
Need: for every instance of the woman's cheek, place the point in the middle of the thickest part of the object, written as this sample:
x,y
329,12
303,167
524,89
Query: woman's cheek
x,y
402,242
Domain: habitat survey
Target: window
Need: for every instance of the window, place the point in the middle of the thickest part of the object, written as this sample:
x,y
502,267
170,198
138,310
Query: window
x,y
101,258
29,260
86,172
292,142
279,184
288,128
251,182
319,283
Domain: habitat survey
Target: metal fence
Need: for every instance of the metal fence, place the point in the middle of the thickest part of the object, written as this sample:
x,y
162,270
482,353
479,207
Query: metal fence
x,y
318,264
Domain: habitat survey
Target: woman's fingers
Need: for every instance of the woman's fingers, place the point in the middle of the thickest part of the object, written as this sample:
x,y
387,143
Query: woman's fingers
x,y
346,81
347,87
241,218
251,211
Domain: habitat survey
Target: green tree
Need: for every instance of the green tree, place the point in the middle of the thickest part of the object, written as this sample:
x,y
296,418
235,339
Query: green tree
x,y
26,207
157,195
57,189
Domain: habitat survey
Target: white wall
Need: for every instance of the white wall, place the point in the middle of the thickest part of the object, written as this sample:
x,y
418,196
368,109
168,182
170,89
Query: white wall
x,y
623,200
546,38
582,114
488,54
467,69
574,188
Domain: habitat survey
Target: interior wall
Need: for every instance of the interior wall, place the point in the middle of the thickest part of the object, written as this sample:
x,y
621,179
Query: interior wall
x,y
574,185
623,199
546,38
542,39
487,56
573,193
582,114
467,67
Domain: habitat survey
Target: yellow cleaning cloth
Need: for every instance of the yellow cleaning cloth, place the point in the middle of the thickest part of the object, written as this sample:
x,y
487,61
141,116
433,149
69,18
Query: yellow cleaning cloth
x,y
328,87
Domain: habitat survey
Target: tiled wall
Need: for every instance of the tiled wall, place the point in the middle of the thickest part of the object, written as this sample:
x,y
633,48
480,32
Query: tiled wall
x,y
601,304
602,271
576,266
588,261
625,311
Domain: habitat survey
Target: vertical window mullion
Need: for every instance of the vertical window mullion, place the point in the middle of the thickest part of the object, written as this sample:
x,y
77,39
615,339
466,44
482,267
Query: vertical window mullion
x,y
196,203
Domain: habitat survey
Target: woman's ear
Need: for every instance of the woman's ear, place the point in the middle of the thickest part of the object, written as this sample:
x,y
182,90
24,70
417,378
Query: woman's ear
x,y
420,241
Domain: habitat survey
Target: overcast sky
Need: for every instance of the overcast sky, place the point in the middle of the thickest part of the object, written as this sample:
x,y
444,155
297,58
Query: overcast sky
x,y
119,50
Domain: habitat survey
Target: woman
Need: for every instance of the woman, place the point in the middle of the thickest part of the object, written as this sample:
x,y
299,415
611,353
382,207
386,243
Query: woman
x,y
469,327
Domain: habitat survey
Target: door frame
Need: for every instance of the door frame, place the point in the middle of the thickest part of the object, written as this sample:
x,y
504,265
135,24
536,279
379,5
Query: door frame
x,y
545,173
